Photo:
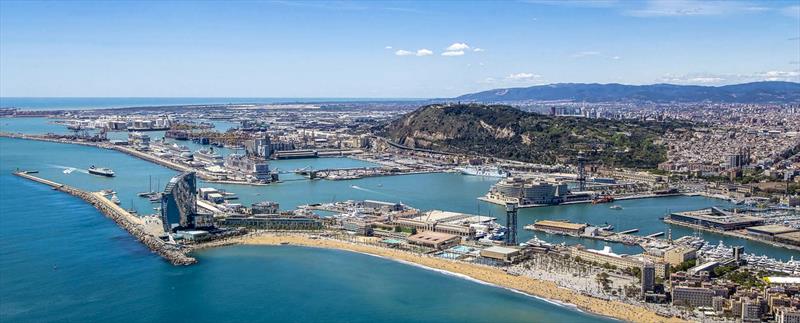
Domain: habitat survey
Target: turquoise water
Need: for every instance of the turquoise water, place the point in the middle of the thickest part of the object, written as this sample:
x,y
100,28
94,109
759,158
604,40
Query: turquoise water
x,y
101,103
61,260
445,191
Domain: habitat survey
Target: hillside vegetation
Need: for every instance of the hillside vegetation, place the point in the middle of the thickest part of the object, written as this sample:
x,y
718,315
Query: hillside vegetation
x,y
506,132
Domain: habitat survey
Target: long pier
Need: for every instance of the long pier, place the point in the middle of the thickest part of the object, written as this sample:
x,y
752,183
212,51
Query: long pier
x,y
132,152
124,219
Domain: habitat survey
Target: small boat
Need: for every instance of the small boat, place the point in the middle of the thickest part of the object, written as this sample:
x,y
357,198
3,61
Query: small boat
x,y
107,172
115,199
615,207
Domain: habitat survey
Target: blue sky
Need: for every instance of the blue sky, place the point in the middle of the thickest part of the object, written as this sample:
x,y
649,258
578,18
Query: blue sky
x,y
386,49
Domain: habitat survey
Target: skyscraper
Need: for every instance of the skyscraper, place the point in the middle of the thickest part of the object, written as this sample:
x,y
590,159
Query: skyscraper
x,y
179,202
648,278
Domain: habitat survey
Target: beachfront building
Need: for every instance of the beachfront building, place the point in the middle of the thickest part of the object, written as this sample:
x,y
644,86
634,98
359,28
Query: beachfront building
x,y
442,221
692,296
179,202
503,254
434,240
274,222
605,256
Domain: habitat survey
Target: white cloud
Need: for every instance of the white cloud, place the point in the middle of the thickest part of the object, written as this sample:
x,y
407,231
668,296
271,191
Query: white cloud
x,y
677,8
522,76
424,52
719,79
583,3
792,11
585,54
781,76
457,47
616,58
477,49
388,47
453,53
419,52
706,80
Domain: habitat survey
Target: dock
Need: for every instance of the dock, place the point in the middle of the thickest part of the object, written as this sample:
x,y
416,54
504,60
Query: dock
x,y
657,234
131,223
629,231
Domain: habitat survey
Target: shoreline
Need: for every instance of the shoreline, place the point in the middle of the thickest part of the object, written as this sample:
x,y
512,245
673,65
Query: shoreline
x,y
544,290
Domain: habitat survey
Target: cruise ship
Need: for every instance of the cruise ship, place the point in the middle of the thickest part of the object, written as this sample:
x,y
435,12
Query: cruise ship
x,y
484,171
101,171
208,156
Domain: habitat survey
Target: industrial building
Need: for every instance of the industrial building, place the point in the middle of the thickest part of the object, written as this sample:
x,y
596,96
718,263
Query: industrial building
x,y
770,231
792,238
717,218
563,227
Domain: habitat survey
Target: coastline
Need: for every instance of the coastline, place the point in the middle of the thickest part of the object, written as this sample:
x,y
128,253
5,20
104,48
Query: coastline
x,y
545,290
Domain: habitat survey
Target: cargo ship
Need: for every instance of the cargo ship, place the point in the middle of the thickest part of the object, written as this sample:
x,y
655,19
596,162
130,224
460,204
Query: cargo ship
x,y
107,172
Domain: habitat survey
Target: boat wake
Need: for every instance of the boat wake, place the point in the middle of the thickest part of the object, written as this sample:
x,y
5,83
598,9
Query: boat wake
x,y
356,187
70,170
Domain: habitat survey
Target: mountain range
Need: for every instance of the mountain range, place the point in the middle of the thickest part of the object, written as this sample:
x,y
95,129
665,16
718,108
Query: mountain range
x,y
755,92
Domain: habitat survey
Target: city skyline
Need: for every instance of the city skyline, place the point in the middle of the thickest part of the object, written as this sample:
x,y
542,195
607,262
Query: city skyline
x,y
386,49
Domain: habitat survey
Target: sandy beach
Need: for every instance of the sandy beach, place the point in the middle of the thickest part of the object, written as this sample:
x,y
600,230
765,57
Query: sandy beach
x,y
496,276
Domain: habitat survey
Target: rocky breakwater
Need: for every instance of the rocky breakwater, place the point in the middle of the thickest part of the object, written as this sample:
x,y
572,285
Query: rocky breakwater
x,y
175,254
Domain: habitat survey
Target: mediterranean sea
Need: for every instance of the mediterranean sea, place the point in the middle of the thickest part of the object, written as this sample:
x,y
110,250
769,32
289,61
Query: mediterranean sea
x,y
78,103
62,260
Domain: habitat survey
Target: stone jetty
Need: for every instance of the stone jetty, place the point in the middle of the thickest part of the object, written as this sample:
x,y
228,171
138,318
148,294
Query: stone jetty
x,y
133,224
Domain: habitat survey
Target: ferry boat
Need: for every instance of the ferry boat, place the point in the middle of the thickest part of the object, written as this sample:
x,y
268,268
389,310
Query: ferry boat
x,y
101,171
484,171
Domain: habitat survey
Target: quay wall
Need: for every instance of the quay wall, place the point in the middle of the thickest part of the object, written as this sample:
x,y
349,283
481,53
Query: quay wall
x,y
125,220
732,234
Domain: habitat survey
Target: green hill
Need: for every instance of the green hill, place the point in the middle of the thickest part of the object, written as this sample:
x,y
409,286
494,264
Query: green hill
x,y
506,132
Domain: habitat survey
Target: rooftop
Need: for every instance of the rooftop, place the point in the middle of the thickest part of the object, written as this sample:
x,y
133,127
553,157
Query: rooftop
x,y
501,250
431,236
561,224
773,229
